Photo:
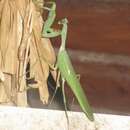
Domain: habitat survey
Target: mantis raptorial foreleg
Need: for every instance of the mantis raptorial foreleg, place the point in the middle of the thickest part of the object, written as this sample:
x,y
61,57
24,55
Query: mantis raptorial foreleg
x,y
47,30
57,86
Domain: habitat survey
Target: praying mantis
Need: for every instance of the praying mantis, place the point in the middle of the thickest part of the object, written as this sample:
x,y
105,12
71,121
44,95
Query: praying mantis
x,y
64,64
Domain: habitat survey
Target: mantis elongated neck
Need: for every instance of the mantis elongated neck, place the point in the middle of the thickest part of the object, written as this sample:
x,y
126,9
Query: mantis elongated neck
x,y
63,36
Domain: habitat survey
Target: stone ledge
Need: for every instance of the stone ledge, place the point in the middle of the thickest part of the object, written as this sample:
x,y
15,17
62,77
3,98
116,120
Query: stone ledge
x,y
12,118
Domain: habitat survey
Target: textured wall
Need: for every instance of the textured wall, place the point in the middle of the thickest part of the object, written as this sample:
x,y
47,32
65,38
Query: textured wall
x,y
100,28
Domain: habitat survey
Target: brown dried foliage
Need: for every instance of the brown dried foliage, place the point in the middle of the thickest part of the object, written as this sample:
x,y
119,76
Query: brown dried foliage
x,y
21,45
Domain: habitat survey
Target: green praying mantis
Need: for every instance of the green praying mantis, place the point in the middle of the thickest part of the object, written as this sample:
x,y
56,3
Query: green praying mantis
x,y
63,60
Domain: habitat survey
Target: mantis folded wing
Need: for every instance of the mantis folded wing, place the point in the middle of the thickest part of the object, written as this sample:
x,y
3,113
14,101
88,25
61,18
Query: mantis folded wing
x,y
64,63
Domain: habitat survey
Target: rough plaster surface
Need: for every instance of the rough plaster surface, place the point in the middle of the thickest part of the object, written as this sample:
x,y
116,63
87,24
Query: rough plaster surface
x,y
12,118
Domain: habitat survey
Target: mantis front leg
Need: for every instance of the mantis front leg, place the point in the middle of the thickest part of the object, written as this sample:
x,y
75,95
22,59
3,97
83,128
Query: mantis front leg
x,y
47,30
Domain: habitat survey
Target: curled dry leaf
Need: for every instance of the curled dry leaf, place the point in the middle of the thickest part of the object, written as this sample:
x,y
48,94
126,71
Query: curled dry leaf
x,y
49,53
50,57
39,69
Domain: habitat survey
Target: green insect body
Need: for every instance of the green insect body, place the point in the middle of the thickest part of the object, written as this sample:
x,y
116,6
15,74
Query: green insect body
x,y
68,73
64,63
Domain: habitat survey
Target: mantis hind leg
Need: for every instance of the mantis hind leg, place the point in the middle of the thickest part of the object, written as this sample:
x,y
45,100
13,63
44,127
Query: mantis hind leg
x,y
64,100
57,86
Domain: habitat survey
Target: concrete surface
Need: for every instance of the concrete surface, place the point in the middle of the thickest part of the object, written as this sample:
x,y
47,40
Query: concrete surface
x,y
12,118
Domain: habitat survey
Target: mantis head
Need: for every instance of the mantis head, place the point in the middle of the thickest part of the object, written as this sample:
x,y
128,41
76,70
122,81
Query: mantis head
x,y
63,21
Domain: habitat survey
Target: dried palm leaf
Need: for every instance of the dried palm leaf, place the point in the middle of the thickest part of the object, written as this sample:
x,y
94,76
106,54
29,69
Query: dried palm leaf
x,y
7,47
21,44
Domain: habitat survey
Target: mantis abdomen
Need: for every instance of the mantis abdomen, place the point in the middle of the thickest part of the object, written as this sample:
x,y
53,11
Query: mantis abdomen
x,y
68,73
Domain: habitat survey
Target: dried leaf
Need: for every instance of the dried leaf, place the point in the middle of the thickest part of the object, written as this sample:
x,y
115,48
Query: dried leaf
x,y
2,77
5,90
20,47
40,70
